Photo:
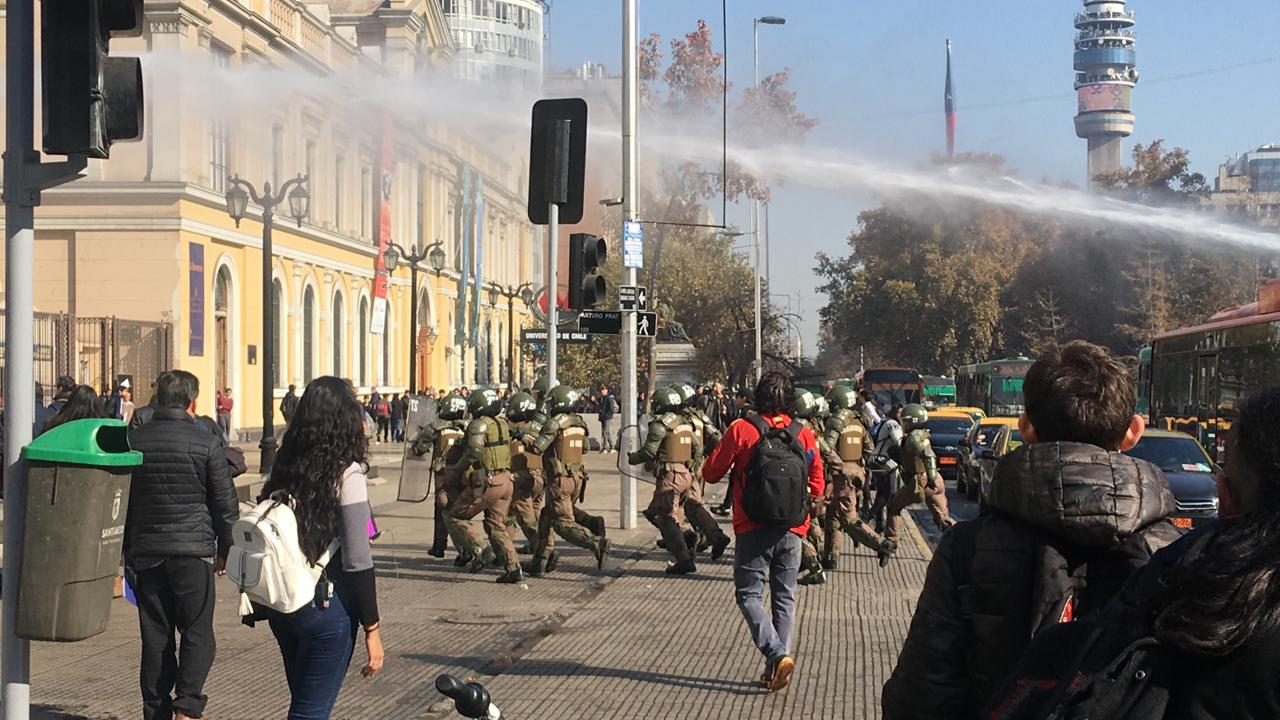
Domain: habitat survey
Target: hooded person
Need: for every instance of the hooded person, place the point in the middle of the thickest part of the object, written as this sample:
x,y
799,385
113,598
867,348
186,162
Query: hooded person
x,y
1069,518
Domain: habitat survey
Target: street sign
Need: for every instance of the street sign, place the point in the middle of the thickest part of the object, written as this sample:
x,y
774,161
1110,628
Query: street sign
x,y
633,297
539,335
632,245
600,322
646,324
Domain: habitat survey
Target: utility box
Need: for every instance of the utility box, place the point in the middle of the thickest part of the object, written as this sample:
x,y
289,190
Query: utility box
x,y
78,477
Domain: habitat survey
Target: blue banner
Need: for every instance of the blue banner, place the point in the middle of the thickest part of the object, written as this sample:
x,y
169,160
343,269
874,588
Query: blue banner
x,y
463,224
195,300
477,255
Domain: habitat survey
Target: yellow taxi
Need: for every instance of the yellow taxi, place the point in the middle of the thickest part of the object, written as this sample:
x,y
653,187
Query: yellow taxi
x,y
982,436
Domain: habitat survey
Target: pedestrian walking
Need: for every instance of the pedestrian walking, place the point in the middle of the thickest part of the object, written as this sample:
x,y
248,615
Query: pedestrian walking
x,y
397,418
177,533
62,392
1068,519
608,420
1200,622
320,465
289,404
380,408
223,406
775,465
81,403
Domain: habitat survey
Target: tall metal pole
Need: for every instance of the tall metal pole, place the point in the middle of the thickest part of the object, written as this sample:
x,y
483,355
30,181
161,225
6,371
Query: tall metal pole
x,y
511,342
413,324
19,216
553,291
268,442
630,196
755,204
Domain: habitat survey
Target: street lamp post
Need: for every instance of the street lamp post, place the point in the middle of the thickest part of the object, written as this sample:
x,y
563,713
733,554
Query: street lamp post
x,y
755,204
525,293
393,256
238,197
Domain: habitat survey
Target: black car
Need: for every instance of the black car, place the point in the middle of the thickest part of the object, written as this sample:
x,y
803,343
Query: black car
x,y
1189,470
946,433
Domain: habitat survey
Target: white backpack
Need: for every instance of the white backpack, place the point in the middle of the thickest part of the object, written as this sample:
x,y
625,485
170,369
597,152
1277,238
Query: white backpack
x,y
266,561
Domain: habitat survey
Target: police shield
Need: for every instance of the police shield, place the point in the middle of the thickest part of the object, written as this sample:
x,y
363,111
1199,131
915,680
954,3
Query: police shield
x,y
422,412
415,476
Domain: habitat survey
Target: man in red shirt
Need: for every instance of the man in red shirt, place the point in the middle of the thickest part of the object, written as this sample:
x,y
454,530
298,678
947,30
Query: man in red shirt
x,y
760,550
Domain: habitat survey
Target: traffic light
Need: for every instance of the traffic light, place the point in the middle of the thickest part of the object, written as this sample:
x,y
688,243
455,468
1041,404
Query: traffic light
x,y
586,285
90,100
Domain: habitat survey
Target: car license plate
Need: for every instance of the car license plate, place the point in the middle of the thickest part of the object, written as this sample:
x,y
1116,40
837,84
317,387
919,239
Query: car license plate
x,y
947,460
1182,522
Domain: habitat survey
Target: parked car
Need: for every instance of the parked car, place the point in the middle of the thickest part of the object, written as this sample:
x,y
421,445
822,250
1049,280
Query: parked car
x,y
980,437
946,432
1189,470
973,412
1008,438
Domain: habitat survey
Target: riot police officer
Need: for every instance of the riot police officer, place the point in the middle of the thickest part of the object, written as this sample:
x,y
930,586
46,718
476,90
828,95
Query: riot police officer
x,y
668,453
443,439
485,469
845,450
526,467
562,443
806,408
919,470
705,437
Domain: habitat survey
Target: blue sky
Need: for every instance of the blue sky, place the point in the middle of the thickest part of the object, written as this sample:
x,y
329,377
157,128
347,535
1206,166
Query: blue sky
x,y
872,72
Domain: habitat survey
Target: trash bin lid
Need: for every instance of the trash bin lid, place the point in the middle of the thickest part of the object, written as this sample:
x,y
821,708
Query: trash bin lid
x,y
97,442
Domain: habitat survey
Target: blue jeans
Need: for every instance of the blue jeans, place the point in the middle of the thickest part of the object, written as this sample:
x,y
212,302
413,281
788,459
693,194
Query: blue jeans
x,y
774,552
316,645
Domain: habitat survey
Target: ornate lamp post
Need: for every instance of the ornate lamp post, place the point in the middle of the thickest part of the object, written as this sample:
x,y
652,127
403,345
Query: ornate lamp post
x,y
238,197
525,293
394,254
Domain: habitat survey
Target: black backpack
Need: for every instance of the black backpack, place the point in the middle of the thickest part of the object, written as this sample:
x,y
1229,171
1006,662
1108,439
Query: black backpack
x,y
776,491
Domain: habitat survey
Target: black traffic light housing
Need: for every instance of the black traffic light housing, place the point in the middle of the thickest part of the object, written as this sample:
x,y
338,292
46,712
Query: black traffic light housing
x,y
586,286
90,100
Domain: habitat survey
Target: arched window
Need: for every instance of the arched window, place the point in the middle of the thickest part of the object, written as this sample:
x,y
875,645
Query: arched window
x,y
386,347
363,363
277,339
308,334
222,328
336,320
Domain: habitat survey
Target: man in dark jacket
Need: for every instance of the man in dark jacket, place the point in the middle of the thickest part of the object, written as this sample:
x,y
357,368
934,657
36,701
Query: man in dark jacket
x,y
181,508
1068,520
289,404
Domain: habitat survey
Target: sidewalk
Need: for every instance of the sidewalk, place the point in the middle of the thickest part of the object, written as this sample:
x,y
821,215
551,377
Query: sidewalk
x,y
627,643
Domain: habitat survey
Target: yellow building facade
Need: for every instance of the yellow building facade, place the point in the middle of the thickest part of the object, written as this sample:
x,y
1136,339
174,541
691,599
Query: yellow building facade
x,y
147,236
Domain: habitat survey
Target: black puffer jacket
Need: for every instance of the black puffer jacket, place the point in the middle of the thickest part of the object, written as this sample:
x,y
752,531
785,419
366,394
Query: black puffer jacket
x,y
181,502
1066,525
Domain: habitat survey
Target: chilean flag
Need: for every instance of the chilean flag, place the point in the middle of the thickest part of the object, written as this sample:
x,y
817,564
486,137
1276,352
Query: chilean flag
x,y
949,106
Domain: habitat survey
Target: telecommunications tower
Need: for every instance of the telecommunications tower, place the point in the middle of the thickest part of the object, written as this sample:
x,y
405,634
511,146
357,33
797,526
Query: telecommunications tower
x,y
1105,76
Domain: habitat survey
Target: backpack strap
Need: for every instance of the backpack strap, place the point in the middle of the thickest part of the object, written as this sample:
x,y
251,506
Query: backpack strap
x,y
758,423
793,433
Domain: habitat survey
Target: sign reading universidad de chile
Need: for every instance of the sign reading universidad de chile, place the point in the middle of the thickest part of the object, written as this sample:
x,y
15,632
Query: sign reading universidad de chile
x,y
632,245
195,300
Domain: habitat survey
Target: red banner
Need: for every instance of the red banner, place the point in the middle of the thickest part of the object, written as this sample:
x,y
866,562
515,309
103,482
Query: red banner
x,y
386,164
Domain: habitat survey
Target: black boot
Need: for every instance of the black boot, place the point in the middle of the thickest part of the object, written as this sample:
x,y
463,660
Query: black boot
x,y
483,561
553,560
440,538
463,560
511,577
817,577
691,541
829,562
602,553
885,551
534,568
718,546
598,526
684,567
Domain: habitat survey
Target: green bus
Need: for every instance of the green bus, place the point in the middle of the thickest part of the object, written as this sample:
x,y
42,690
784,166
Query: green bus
x,y
939,391
994,386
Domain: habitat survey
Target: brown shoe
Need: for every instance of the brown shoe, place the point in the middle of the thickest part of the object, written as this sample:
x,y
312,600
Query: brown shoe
x,y
782,673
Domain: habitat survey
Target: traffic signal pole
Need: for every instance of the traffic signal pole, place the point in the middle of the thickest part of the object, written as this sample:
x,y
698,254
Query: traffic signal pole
x,y
553,291
630,196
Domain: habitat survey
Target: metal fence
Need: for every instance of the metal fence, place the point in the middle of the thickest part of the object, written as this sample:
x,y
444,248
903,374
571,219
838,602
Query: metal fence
x,y
97,352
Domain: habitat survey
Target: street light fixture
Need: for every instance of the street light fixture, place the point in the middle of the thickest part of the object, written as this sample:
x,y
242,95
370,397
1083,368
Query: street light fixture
x,y
525,293
238,196
391,259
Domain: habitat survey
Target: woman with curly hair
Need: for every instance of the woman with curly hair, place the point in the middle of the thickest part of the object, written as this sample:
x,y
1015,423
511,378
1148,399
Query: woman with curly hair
x,y
320,465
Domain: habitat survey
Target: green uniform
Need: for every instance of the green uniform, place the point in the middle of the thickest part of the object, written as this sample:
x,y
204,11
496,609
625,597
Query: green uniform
x,y
668,453
528,486
444,440
845,446
485,472
814,541
920,483
562,443
705,437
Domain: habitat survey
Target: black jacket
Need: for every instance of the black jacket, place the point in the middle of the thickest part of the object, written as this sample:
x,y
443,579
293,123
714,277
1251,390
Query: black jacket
x,y
1066,524
181,502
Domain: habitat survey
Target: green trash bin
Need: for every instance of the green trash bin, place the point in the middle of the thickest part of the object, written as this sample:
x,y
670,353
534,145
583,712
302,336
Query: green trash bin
x,y
78,477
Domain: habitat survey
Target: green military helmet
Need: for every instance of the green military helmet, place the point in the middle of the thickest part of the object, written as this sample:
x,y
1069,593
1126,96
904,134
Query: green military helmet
x,y
804,406
686,392
842,397
540,388
521,407
824,409
484,403
915,415
561,399
666,399
452,407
